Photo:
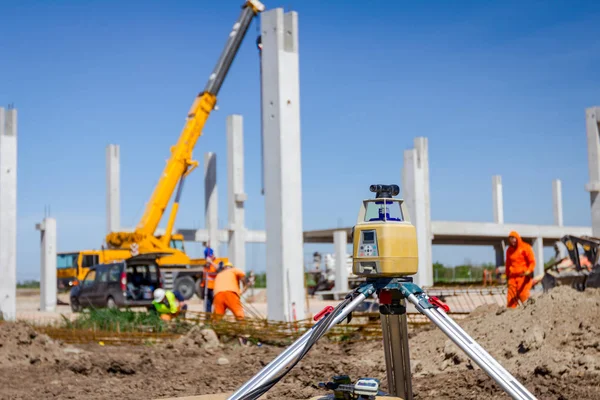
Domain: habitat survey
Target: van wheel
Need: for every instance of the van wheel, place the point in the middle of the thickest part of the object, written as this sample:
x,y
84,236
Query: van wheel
x,y
75,306
110,303
186,286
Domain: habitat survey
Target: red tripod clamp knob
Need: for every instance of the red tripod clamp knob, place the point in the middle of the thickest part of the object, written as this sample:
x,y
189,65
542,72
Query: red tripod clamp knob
x,y
438,303
323,313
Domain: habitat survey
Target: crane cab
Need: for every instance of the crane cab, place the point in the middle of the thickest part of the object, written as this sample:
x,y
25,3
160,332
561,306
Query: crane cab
x,y
384,240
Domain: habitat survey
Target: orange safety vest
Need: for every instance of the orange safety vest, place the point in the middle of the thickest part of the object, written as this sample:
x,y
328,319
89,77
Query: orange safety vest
x,y
209,275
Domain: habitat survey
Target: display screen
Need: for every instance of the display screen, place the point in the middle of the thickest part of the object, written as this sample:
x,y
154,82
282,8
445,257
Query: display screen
x,y
368,237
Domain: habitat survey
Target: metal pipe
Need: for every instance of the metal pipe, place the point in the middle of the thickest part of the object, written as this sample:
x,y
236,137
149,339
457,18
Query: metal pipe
x,y
279,363
462,339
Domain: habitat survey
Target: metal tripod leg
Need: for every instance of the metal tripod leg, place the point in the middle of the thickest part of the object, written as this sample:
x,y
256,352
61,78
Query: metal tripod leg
x,y
395,346
280,362
462,339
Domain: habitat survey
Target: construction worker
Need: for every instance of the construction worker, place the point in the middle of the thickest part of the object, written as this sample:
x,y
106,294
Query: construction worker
x,y
520,264
227,291
209,274
168,304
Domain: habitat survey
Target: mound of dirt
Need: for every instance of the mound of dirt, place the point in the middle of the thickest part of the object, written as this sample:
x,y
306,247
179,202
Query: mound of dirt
x,y
196,338
20,344
556,335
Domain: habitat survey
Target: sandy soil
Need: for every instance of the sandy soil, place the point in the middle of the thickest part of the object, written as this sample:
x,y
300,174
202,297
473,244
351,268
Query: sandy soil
x,y
551,345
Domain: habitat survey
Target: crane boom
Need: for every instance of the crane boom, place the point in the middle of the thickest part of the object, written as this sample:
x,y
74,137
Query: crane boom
x,y
180,163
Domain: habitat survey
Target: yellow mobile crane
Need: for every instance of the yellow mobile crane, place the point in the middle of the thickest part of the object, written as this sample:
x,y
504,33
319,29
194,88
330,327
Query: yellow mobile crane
x,y
178,267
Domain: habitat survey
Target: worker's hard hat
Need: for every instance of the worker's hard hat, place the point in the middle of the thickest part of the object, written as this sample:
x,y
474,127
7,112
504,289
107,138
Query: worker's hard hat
x,y
228,264
159,294
208,252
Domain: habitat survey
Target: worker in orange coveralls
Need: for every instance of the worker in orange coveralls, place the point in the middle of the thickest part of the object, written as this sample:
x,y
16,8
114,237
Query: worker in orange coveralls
x,y
520,264
227,291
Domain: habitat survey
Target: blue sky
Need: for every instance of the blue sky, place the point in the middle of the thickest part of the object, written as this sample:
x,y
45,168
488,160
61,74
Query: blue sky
x,y
497,87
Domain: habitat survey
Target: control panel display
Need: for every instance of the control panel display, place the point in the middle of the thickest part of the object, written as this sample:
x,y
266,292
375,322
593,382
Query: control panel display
x,y
368,244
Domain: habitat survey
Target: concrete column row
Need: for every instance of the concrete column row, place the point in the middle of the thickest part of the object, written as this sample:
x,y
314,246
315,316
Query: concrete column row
x,y
113,185
498,203
8,213
592,121
280,89
415,191
48,264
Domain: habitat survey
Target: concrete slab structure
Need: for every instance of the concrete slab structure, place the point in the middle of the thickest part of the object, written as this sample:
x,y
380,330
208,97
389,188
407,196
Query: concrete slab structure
x,y
280,88
415,192
340,242
592,121
113,188
8,213
211,214
48,264
236,197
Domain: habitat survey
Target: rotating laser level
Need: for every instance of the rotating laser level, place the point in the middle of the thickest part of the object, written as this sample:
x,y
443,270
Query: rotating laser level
x,y
385,242
385,252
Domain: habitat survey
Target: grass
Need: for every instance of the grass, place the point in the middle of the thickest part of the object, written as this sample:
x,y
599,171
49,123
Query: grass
x,y
115,320
28,285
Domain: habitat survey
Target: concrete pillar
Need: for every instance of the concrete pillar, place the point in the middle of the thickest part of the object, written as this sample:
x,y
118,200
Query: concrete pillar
x,y
422,147
340,243
280,88
113,188
235,191
538,250
415,192
499,251
557,202
8,213
593,146
497,199
211,214
48,282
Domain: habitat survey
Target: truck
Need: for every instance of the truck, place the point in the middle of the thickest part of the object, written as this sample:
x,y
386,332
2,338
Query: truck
x,y
179,271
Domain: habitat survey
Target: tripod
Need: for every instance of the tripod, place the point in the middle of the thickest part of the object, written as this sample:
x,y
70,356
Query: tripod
x,y
393,293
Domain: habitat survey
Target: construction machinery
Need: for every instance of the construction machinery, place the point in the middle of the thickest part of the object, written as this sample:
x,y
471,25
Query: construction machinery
x,y
578,268
385,253
180,271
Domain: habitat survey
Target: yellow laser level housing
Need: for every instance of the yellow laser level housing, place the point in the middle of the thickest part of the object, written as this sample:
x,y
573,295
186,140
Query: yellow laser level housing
x,y
384,240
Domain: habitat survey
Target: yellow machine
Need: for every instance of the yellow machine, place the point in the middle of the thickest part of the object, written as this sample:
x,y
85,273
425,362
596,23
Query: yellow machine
x,y
385,242
122,245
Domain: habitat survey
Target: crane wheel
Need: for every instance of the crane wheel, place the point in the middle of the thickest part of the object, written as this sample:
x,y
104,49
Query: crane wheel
x,y
186,286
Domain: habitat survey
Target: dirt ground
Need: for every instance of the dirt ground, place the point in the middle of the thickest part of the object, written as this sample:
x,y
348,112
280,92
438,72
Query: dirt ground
x,y
551,345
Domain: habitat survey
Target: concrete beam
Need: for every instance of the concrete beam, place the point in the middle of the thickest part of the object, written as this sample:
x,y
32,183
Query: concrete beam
x,y
211,212
48,264
557,202
497,199
473,230
340,240
280,89
8,213
592,119
235,191
113,188
471,233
